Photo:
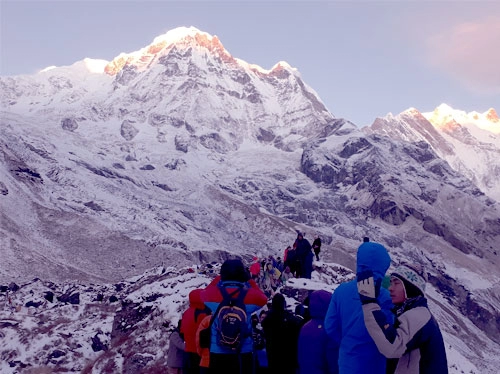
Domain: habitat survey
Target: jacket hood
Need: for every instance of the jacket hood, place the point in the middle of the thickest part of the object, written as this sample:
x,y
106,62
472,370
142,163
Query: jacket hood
x,y
195,299
374,257
318,304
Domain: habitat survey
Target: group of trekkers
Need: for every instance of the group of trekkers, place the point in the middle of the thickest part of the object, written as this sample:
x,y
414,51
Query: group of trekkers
x,y
271,273
230,326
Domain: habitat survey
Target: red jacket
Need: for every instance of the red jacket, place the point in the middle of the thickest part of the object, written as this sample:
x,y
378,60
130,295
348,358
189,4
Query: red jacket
x,y
192,318
255,268
254,300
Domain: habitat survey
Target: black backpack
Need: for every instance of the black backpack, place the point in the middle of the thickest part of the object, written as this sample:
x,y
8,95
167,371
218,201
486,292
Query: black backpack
x,y
231,319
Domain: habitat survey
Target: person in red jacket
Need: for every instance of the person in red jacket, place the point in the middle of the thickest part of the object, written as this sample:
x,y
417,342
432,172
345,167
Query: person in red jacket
x,y
255,268
191,319
233,276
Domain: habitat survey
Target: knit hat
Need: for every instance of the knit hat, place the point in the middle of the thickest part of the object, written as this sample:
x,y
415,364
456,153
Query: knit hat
x,y
413,279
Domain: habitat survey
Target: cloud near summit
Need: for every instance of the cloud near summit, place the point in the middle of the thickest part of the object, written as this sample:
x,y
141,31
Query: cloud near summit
x,y
469,53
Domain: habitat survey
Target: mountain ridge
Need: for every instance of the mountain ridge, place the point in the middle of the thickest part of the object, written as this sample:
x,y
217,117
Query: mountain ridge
x,y
469,142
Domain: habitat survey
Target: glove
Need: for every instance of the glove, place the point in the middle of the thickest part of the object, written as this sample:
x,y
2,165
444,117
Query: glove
x,y
368,288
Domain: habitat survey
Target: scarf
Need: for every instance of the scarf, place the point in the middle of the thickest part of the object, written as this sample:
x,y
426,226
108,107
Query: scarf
x,y
408,304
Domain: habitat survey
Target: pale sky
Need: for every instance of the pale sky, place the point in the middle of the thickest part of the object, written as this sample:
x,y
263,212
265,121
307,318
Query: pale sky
x,y
363,58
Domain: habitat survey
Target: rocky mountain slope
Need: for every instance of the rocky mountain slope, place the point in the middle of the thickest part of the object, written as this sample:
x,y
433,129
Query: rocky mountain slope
x,y
469,142
182,154
124,327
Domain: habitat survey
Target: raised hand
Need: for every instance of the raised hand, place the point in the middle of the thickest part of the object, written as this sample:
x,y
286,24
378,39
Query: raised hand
x,y
368,287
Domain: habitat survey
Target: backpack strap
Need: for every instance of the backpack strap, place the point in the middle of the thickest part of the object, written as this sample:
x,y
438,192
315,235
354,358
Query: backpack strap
x,y
206,310
241,288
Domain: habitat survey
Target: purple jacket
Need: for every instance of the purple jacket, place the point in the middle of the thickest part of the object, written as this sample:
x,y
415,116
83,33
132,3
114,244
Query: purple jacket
x,y
313,340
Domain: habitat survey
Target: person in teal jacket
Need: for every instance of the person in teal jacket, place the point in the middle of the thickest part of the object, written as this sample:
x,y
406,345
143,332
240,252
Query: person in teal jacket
x,y
351,345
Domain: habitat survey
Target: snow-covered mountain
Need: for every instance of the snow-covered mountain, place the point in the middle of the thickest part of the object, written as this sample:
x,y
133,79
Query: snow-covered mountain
x,y
469,142
180,154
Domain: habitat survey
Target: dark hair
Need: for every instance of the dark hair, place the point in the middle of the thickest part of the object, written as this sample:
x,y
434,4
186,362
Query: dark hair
x,y
233,270
278,302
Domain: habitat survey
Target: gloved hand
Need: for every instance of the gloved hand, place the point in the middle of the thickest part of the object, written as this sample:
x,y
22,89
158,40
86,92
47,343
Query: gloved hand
x,y
368,288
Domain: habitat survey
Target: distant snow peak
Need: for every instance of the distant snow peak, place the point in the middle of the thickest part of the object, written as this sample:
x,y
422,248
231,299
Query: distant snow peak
x,y
186,35
412,112
282,65
177,34
48,68
95,66
182,37
87,65
444,109
445,116
492,115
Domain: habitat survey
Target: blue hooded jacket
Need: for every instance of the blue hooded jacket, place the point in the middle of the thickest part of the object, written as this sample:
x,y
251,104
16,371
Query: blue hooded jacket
x,y
344,322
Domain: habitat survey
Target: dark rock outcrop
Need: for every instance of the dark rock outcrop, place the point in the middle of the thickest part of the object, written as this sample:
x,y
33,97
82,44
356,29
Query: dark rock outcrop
x,y
69,124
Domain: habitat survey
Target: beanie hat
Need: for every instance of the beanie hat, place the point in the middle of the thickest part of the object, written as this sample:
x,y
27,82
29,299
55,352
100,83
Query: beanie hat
x,y
413,279
233,270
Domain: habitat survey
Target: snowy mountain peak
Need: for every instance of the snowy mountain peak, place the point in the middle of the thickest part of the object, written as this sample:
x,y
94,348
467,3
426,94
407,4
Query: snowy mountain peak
x,y
441,115
179,33
411,111
181,37
87,65
446,117
95,66
444,108
492,115
469,142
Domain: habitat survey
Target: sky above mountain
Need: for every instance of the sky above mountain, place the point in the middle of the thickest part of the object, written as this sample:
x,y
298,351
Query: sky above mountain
x,y
363,58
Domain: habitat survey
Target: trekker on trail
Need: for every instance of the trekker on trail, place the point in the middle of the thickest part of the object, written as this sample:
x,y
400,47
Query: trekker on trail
x,y
344,321
304,257
234,280
281,330
255,268
291,259
313,341
191,319
415,338
204,352
175,355
317,246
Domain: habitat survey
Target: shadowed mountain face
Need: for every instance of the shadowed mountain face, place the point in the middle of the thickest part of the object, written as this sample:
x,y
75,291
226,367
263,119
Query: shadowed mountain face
x,y
181,154
469,142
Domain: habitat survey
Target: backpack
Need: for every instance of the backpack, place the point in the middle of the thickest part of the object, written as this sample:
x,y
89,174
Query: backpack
x,y
230,318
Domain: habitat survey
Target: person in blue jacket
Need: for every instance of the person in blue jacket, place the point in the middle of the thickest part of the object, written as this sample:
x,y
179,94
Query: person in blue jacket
x,y
352,346
313,342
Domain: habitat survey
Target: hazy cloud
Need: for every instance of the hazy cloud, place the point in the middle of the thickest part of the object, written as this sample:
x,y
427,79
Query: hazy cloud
x,y
470,53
